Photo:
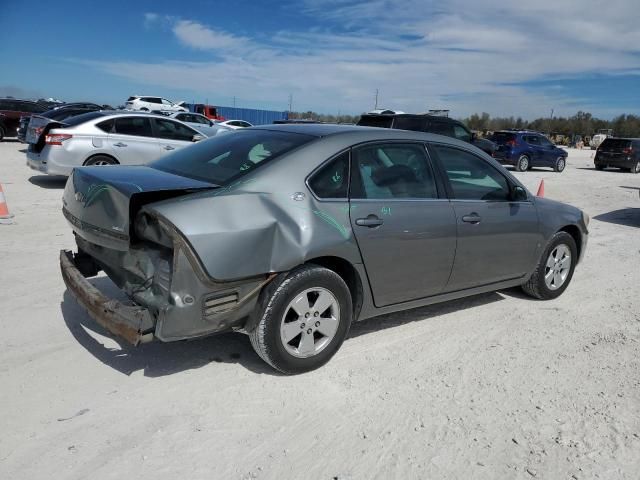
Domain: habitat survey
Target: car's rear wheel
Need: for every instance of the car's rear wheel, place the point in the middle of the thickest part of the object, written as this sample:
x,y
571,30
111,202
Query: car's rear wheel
x,y
144,109
560,164
555,268
522,165
303,319
100,160
1,133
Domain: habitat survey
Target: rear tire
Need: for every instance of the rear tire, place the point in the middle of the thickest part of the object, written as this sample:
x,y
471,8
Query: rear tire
x,y
311,300
100,160
523,163
561,162
554,271
1,133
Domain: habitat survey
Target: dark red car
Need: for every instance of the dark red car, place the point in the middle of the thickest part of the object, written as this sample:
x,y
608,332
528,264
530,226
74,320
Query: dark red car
x,y
11,110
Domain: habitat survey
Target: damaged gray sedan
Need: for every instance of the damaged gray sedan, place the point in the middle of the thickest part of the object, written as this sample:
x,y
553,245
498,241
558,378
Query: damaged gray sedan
x,y
290,233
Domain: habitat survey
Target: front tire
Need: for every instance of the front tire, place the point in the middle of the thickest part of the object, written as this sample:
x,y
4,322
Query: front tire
x,y
304,318
635,168
523,163
560,164
555,268
599,167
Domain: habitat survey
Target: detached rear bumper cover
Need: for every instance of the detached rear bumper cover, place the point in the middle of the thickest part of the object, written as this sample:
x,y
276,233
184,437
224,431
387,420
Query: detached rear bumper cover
x,y
128,322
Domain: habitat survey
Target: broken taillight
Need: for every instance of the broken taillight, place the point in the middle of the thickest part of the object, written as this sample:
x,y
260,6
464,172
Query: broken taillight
x,y
627,151
57,139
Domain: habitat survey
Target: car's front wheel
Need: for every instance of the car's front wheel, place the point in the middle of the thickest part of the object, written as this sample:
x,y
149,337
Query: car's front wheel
x,y
522,165
599,166
560,164
554,269
635,168
303,319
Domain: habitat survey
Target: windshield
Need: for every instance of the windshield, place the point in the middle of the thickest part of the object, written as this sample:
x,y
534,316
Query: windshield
x,y
223,159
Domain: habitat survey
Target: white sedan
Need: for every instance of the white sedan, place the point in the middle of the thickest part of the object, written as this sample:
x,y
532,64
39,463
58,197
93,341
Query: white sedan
x,y
235,124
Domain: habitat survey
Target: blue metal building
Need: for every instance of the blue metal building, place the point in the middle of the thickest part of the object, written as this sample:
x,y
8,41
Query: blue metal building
x,y
252,115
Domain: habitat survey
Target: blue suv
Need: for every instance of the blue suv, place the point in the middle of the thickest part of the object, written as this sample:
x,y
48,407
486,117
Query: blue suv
x,y
525,149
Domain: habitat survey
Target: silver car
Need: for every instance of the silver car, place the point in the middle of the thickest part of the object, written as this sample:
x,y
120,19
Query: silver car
x,y
106,138
291,232
201,123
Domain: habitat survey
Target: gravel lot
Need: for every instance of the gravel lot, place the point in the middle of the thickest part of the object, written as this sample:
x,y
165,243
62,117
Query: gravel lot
x,y
494,386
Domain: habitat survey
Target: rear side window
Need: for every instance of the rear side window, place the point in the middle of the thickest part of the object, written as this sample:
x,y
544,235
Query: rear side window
x,y
138,126
106,126
151,100
532,140
442,128
410,123
470,177
375,121
332,180
392,171
615,144
173,130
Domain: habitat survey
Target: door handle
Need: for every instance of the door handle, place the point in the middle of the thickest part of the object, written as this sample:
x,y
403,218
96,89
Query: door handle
x,y
119,144
169,147
371,221
472,218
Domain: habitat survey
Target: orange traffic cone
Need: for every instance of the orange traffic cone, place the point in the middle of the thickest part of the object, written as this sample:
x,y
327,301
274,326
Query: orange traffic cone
x,y
5,216
541,189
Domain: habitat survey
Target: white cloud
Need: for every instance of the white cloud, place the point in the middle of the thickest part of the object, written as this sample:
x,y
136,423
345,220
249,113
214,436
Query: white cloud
x,y
464,55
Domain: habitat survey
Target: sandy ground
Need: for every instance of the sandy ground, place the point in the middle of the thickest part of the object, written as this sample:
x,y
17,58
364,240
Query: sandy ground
x,y
494,386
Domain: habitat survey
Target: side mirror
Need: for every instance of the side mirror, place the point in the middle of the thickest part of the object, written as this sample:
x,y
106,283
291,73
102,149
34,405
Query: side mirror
x,y
518,194
197,138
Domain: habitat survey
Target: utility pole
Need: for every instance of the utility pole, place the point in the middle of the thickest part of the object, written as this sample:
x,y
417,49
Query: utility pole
x,y
234,106
290,102
376,106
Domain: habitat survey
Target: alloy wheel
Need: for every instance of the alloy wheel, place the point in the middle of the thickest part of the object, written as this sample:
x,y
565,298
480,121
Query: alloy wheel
x,y
310,322
557,267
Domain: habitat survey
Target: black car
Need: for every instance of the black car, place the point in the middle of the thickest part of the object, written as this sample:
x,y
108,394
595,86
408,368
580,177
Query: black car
x,y
427,123
60,113
11,110
623,153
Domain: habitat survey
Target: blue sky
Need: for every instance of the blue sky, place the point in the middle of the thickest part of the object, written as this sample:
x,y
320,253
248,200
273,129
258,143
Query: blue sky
x,y
331,55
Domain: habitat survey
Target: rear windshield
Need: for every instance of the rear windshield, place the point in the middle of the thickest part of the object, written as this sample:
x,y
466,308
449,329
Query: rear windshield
x,y
375,121
85,117
614,144
223,159
503,137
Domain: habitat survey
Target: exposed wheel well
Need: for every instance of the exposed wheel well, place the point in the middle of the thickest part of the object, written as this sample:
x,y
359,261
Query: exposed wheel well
x,y
350,276
101,155
575,233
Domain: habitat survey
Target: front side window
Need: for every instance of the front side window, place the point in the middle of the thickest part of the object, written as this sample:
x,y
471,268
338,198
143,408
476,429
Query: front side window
x,y
173,130
332,180
461,133
392,170
151,100
544,141
225,158
138,126
200,119
166,102
470,177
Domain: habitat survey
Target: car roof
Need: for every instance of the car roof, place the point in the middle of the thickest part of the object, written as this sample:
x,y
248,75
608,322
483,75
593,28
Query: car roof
x,y
410,115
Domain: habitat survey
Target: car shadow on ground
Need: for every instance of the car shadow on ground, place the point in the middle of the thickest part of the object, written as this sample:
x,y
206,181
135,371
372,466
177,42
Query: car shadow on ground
x,y
629,217
48,181
157,359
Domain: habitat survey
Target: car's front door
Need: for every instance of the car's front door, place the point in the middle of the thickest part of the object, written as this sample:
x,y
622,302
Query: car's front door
x,y
131,140
534,150
172,135
405,230
498,237
548,151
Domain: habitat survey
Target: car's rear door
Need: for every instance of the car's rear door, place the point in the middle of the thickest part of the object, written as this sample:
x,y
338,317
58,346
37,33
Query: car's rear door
x,y
131,140
534,150
172,135
497,237
404,225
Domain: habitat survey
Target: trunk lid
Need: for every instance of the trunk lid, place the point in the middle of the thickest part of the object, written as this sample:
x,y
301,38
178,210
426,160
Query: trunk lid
x,y
100,202
37,130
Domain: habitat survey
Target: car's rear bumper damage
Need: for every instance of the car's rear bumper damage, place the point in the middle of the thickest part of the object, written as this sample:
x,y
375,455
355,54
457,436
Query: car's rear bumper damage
x,y
133,323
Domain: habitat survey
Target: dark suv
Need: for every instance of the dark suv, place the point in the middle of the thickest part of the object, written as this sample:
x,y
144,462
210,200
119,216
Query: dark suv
x,y
621,153
525,149
60,113
11,110
426,123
